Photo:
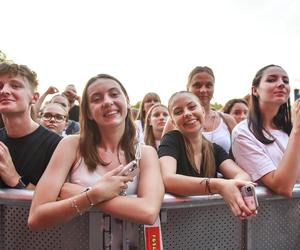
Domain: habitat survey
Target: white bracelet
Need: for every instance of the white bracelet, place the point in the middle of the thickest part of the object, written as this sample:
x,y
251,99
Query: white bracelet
x,y
74,205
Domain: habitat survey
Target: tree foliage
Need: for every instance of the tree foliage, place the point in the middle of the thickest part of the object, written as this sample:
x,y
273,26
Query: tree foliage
x,y
2,56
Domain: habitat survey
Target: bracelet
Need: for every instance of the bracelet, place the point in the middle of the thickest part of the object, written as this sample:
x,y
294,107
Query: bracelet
x,y
87,196
207,185
74,205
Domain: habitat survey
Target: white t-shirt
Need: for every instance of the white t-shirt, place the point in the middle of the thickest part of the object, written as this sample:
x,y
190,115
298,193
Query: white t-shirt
x,y
256,158
139,131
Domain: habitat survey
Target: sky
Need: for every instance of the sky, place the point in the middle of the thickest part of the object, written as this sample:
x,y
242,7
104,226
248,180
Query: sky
x,y
151,46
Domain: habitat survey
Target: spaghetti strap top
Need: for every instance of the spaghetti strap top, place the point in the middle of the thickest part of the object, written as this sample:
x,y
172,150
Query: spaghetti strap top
x,y
81,175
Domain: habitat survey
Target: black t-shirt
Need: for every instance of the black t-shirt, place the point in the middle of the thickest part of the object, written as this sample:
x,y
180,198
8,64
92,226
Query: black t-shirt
x,y
172,144
31,153
74,113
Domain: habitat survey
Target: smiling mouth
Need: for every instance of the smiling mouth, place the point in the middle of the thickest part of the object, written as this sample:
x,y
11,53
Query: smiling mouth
x,y
111,113
190,122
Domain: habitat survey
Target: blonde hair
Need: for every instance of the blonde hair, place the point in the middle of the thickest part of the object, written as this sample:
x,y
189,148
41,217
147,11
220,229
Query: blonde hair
x,y
208,165
142,114
148,133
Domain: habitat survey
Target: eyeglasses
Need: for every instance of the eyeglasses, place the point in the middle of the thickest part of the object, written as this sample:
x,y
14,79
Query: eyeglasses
x,y
57,117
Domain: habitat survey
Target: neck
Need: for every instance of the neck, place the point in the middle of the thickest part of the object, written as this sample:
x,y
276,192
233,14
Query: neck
x,y
18,126
111,137
268,113
207,109
157,134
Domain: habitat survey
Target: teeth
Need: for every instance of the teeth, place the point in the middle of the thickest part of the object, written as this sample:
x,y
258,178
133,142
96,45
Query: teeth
x,y
111,113
190,122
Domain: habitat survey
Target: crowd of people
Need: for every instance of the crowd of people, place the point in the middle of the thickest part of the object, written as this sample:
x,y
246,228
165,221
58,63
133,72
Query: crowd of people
x,y
71,149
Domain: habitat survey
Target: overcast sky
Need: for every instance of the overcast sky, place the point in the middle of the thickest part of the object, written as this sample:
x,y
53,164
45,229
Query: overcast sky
x,y
152,45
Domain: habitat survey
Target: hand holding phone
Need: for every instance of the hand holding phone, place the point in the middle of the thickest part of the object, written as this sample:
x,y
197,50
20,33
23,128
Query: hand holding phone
x,y
249,196
131,169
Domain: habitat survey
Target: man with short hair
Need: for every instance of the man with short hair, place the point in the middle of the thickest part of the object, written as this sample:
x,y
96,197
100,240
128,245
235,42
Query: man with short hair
x,y
71,93
25,146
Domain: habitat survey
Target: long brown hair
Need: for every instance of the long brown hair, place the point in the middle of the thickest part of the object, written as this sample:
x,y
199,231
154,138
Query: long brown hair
x,y
90,137
208,165
282,119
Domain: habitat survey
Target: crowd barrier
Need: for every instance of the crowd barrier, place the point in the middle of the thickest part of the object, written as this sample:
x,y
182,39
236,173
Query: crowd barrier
x,y
196,222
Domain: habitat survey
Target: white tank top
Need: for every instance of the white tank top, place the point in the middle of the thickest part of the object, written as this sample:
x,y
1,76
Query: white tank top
x,y
220,136
80,174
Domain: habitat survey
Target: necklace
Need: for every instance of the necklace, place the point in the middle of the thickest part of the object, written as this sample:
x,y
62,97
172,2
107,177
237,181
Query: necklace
x,y
210,123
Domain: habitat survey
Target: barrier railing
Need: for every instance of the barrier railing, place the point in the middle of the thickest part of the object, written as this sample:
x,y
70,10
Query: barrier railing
x,y
195,222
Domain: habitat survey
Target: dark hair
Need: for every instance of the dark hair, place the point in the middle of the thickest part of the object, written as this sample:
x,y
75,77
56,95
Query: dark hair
x,y
208,165
229,105
90,136
13,69
199,69
142,114
282,119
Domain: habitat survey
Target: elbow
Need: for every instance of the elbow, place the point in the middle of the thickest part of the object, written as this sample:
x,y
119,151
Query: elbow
x,y
285,192
33,223
151,215
167,183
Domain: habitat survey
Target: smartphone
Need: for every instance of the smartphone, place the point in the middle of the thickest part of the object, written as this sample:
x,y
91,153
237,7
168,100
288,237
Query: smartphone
x,y
131,169
249,196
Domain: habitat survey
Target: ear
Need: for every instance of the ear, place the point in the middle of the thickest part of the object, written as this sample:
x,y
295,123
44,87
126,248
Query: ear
x,y
254,91
35,98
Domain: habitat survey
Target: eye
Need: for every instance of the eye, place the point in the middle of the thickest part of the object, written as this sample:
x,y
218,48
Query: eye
x,y
196,85
209,85
192,106
165,114
177,111
95,98
114,93
156,114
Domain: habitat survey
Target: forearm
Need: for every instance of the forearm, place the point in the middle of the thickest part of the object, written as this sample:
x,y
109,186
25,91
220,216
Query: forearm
x,y
185,185
54,213
242,176
285,176
136,209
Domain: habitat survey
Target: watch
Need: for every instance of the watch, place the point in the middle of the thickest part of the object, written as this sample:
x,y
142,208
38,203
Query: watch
x,y
22,183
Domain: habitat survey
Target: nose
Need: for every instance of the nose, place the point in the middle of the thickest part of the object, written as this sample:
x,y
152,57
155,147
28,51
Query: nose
x,y
52,119
186,113
280,83
5,89
243,116
107,101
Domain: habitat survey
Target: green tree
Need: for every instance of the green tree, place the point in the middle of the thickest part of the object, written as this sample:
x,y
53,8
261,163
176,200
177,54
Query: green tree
x,y
2,56
216,106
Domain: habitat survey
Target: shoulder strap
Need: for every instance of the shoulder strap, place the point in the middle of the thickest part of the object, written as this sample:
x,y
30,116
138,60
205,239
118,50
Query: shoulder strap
x,y
225,120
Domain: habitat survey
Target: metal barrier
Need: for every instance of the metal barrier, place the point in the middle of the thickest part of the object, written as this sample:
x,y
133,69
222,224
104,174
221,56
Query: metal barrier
x,y
196,222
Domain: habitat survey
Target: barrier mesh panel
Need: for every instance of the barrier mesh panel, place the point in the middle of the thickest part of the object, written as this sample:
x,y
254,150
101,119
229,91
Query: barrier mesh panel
x,y
17,235
202,228
277,226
